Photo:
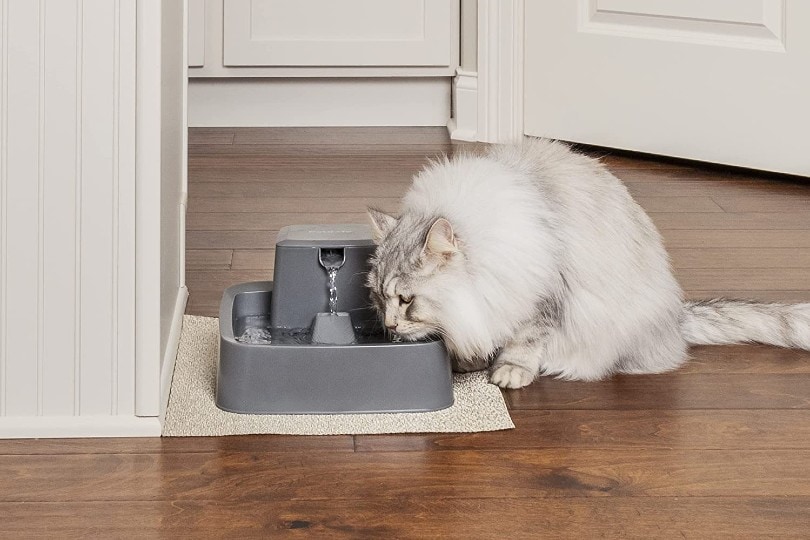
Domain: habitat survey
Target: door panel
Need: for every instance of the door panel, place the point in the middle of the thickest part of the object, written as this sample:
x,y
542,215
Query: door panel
x,y
346,33
722,81
754,24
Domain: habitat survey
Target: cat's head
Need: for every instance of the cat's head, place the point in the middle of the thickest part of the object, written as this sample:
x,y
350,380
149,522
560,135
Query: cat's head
x,y
416,271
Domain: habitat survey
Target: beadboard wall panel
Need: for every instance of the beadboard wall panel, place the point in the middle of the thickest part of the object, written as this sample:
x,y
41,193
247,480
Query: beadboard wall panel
x,y
67,342
21,212
59,160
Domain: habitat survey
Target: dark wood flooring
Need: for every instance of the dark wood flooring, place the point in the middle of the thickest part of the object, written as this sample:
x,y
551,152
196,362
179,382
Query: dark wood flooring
x,y
720,448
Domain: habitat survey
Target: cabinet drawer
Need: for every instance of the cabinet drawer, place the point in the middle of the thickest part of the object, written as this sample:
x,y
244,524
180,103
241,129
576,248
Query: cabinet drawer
x,y
339,32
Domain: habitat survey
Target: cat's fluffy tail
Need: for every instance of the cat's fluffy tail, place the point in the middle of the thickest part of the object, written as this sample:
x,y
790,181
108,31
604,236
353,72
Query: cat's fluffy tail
x,y
720,321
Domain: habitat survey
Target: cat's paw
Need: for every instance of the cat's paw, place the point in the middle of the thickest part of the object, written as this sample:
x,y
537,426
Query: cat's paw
x,y
511,376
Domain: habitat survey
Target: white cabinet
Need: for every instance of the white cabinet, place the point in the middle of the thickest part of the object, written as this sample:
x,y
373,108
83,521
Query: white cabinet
x,y
322,62
323,38
332,33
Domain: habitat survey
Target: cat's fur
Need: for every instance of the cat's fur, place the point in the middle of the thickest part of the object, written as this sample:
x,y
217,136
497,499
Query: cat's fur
x,y
534,260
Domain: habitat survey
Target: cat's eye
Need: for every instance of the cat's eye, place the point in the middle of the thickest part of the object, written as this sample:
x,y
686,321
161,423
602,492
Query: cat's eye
x,y
405,300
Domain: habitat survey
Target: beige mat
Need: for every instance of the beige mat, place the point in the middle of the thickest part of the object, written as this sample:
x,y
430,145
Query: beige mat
x,y
478,406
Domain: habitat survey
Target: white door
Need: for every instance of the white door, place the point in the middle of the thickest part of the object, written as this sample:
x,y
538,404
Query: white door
x,y
725,81
339,33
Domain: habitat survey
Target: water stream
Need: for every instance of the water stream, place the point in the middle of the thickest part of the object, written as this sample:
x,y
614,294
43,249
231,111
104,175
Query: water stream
x,y
333,293
332,261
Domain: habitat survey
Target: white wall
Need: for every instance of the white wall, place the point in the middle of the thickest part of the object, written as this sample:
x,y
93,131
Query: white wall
x,y
173,156
67,170
73,360
161,161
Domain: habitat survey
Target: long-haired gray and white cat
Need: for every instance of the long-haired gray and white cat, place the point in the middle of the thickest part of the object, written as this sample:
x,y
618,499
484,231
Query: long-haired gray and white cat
x,y
534,259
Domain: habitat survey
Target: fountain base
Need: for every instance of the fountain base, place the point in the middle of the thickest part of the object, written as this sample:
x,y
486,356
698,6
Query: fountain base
x,y
289,373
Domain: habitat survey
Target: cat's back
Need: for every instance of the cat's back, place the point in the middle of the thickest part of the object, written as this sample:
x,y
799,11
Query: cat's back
x,y
536,176
547,159
469,183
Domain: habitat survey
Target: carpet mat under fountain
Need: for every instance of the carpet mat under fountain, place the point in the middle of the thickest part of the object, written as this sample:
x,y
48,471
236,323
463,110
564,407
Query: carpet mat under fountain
x,y
479,406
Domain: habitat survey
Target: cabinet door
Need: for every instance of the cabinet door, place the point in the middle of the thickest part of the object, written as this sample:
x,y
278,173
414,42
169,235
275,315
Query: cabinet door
x,y
196,33
339,32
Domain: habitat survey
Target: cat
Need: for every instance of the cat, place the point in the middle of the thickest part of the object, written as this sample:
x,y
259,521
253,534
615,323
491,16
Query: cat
x,y
533,259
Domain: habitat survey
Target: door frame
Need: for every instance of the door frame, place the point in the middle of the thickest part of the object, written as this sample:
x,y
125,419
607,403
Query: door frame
x,y
153,370
489,101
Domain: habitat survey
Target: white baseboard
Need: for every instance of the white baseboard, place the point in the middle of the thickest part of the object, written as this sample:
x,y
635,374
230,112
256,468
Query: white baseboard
x,y
50,427
167,369
268,102
464,124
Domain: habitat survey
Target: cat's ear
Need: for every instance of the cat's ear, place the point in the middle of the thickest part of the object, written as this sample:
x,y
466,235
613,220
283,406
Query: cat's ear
x,y
440,241
381,223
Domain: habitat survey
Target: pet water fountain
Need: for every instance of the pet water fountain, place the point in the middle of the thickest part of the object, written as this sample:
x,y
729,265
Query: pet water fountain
x,y
309,342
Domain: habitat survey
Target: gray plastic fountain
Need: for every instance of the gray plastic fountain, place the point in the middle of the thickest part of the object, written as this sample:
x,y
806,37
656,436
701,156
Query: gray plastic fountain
x,y
309,343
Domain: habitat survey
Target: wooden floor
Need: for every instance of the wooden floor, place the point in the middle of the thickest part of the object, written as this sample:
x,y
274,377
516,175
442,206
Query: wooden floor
x,y
719,448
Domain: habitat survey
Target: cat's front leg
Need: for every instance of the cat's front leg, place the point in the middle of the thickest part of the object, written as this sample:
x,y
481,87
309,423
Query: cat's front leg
x,y
518,363
467,365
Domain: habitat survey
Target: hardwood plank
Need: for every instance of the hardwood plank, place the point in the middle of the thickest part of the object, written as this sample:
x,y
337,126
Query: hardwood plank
x,y
254,259
789,297
692,174
713,186
743,279
209,137
641,161
305,160
219,280
336,150
763,202
672,391
678,204
720,257
231,239
416,518
342,135
295,204
309,171
208,259
696,429
173,445
298,190
392,204
681,238
270,177
204,302
726,221
490,474
749,358
262,221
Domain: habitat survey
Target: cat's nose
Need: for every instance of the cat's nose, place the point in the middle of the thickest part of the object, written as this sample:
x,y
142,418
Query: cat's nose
x,y
391,326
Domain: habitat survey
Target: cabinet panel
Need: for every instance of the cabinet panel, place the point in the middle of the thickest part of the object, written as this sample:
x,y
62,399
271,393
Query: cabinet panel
x,y
345,33
196,33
